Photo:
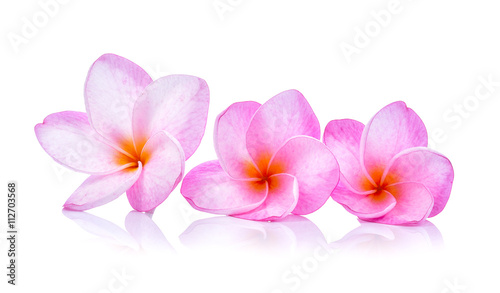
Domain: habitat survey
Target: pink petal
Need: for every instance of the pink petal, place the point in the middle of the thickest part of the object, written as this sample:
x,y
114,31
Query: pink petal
x,y
285,115
343,138
101,189
163,167
112,87
230,140
208,188
177,104
70,140
393,129
314,166
281,199
367,205
425,166
414,203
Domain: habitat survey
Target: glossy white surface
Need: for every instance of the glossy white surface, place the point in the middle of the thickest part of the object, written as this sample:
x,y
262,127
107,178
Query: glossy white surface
x,y
432,55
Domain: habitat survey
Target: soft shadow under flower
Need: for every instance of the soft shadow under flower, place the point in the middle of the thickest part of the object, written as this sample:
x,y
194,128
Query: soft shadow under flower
x,y
289,235
374,238
142,234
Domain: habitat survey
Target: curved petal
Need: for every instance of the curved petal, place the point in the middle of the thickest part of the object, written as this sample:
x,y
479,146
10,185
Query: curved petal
x,y
366,205
208,188
101,189
281,199
112,87
70,140
414,203
177,104
425,166
230,140
285,115
314,166
163,167
343,138
393,129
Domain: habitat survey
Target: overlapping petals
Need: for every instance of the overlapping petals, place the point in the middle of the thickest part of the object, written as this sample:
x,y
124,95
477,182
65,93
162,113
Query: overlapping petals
x,y
208,188
392,130
285,115
111,90
177,104
230,144
101,189
312,165
135,136
163,169
388,174
270,162
137,133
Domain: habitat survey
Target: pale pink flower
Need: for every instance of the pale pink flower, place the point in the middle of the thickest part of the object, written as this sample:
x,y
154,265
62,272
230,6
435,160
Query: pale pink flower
x,y
271,162
135,135
388,175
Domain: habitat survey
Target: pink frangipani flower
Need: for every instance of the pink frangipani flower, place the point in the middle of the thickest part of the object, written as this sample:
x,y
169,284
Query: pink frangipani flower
x,y
134,138
388,175
270,162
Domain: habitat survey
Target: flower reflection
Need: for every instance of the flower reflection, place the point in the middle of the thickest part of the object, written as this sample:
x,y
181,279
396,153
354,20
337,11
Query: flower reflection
x,y
373,238
291,234
142,234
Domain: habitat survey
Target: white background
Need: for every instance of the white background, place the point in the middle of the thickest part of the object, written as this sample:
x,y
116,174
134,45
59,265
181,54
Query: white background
x,y
430,54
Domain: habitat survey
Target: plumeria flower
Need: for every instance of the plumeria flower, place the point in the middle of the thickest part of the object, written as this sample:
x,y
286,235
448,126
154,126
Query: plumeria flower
x,y
388,175
271,162
135,135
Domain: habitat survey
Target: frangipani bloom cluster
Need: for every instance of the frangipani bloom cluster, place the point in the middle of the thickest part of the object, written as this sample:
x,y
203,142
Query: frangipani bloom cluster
x,y
388,175
270,162
137,133
134,138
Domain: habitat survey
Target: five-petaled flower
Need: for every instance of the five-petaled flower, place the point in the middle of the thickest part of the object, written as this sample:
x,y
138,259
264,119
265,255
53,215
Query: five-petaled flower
x,y
135,136
388,175
270,162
